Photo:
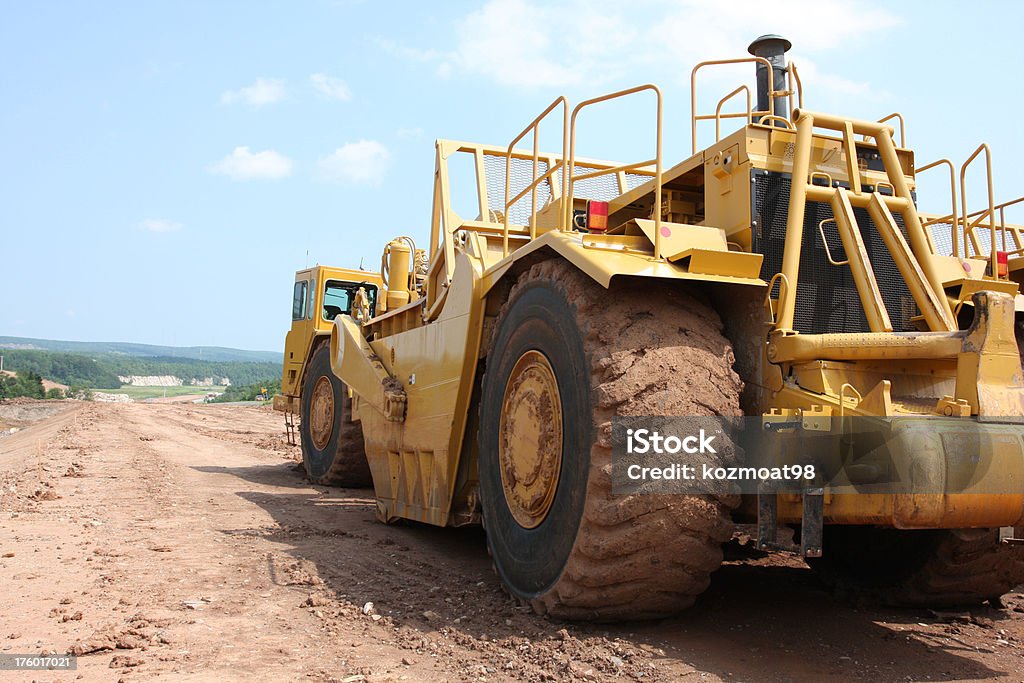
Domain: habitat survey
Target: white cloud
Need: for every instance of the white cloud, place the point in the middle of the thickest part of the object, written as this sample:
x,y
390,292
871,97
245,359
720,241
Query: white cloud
x,y
263,91
159,225
409,133
362,163
331,87
242,164
412,54
810,73
522,43
512,42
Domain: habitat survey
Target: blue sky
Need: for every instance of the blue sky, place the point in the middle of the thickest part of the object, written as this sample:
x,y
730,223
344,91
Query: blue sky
x,y
165,167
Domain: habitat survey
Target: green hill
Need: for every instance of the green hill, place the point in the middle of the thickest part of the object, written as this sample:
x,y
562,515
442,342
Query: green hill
x,y
203,353
103,370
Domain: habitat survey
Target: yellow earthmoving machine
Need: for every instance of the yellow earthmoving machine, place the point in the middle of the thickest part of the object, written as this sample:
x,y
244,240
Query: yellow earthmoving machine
x,y
332,445
784,273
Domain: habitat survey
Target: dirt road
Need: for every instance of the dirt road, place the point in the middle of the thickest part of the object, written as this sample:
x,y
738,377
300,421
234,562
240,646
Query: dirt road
x,y
178,541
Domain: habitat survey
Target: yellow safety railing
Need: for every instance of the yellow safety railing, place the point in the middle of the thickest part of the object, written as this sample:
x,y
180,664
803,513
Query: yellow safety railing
x,y
1016,232
964,226
969,224
656,161
718,110
798,86
750,115
952,218
536,181
903,127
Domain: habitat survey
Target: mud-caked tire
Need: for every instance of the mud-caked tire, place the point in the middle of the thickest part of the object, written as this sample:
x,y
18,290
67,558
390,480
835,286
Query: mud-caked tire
x,y
332,444
567,356
931,568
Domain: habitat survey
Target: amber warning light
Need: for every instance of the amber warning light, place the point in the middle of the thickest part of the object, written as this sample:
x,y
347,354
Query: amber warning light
x,y
597,216
1002,264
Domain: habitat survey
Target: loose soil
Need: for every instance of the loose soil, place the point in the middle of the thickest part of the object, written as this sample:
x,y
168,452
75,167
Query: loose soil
x,y
180,542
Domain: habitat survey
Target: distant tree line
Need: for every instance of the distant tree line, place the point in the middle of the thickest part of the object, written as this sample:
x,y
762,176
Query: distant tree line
x,y
24,384
102,370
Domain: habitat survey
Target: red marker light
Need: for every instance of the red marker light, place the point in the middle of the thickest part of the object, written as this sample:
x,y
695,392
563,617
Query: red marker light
x,y
597,216
1002,264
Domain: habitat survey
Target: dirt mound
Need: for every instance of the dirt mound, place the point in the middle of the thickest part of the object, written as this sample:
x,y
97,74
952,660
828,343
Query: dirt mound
x,y
20,412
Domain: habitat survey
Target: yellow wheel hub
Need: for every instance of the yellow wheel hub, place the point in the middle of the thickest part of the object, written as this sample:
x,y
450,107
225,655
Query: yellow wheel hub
x,y
321,413
530,439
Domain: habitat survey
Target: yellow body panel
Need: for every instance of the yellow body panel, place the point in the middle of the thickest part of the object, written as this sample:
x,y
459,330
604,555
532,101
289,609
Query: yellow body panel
x,y
414,461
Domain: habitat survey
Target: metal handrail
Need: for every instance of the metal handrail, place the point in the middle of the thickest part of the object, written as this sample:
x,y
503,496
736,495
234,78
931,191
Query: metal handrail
x,y
694,118
532,187
571,181
824,242
794,77
968,224
903,133
615,169
999,207
763,120
783,291
721,102
1014,230
842,397
796,87
954,229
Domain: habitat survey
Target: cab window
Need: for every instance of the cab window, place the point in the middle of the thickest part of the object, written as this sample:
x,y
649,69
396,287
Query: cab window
x,y
312,301
338,298
299,300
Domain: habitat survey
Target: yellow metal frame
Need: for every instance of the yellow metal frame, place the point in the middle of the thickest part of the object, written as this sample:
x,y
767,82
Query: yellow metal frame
x,y
912,260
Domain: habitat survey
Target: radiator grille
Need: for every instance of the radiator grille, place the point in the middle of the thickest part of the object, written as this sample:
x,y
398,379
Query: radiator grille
x,y
826,297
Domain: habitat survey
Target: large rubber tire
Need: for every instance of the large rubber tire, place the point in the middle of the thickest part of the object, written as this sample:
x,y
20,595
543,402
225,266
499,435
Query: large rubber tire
x,y
340,459
945,568
631,351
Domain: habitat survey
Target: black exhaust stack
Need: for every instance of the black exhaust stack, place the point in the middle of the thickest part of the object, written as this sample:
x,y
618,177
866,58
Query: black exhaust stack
x,y
773,48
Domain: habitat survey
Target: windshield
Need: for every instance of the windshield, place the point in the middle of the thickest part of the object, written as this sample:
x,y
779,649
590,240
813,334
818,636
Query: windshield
x,y
338,297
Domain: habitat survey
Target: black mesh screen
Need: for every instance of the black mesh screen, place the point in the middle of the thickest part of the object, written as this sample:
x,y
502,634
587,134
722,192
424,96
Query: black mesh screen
x,y
826,297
